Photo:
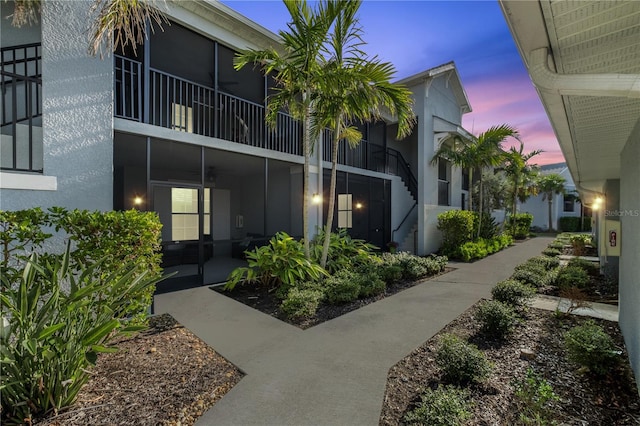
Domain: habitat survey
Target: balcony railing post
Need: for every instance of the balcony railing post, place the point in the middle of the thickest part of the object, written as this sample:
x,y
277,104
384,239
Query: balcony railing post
x,y
146,79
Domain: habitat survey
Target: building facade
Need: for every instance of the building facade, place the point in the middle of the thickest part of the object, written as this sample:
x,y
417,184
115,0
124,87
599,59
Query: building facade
x,y
173,128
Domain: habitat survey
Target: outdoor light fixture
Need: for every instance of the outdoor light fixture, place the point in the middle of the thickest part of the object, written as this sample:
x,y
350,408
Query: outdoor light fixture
x,y
596,203
316,198
358,205
137,201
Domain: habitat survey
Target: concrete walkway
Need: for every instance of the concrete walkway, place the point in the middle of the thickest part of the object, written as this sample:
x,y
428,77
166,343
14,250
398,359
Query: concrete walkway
x,y
334,373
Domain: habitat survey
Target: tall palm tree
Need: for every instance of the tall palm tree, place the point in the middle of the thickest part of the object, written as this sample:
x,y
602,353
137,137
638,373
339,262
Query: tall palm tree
x,y
295,70
479,152
520,173
117,24
550,185
354,88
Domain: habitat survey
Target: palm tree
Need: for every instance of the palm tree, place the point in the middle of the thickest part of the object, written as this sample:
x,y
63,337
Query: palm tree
x,y
118,23
550,185
520,173
354,88
479,152
295,72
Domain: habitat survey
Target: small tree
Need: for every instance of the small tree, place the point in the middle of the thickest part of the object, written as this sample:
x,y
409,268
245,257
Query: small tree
x,y
520,174
550,185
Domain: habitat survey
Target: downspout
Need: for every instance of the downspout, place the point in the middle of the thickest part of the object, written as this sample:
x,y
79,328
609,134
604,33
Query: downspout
x,y
612,84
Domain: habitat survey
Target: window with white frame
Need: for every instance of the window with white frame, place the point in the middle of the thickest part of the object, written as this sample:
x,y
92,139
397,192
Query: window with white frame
x,y
345,210
182,116
184,214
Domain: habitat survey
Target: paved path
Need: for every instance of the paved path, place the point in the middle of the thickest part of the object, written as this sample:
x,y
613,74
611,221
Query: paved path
x,y
334,373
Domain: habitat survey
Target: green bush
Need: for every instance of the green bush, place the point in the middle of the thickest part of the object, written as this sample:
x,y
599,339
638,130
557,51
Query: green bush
x,y
589,346
301,302
513,293
496,319
572,224
551,252
444,406
342,287
415,267
481,248
534,274
534,395
457,228
461,362
278,265
116,238
556,245
572,276
390,273
590,268
370,282
546,261
519,225
488,227
344,251
59,319
579,243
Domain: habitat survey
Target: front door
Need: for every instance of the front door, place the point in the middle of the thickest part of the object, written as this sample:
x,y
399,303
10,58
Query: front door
x,y
181,212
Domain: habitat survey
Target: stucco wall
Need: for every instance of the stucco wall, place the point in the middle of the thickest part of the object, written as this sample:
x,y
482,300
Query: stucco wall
x,y
77,115
630,246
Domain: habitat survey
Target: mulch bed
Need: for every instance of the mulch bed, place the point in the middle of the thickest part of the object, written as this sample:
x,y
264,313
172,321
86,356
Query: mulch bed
x,y
162,376
266,302
585,399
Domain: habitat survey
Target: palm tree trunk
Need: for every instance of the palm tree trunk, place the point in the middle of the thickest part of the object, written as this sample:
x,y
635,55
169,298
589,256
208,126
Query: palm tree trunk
x,y
332,196
306,146
470,189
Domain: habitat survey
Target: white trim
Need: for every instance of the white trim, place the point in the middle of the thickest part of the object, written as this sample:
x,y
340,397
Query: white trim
x,y
28,182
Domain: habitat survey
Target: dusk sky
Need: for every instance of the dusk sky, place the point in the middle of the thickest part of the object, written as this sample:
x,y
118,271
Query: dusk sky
x,y
418,35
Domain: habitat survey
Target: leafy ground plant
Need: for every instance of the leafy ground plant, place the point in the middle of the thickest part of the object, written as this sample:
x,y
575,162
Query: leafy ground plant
x,y
513,293
55,334
444,406
589,346
496,319
461,362
535,395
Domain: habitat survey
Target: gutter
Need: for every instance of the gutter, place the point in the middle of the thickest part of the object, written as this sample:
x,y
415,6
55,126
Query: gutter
x,y
617,85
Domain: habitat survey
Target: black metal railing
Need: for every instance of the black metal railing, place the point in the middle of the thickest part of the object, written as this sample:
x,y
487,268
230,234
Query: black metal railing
x,y
21,87
182,105
397,165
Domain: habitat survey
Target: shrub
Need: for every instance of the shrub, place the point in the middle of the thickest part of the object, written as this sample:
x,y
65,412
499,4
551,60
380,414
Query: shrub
x,y
579,243
457,229
513,293
115,238
414,267
301,302
461,362
488,227
496,319
59,320
572,224
519,225
546,261
531,273
342,287
370,282
590,268
534,396
572,276
481,248
557,245
390,273
344,251
444,406
277,265
551,252
589,346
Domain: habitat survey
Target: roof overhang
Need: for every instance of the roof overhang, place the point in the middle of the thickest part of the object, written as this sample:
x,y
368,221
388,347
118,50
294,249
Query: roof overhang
x,y
448,71
584,59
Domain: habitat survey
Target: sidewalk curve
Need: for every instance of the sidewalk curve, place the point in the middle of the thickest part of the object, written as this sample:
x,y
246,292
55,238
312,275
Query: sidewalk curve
x,y
334,373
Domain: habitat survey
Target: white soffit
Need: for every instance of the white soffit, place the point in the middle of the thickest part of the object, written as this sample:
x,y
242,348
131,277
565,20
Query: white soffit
x,y
585,38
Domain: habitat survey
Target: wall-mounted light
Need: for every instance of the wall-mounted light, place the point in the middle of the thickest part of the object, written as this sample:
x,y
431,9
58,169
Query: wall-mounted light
x,y
596,203
358,205
316,198
137,200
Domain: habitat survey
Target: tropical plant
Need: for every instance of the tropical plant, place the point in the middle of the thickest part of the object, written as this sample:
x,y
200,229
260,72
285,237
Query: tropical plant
x,y
277,266
344,251
296,69
457,228
58,321
550,185
520,174
479,152
354,88
301,302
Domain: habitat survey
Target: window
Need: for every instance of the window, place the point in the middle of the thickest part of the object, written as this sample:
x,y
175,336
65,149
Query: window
x,y
182,118
443,182
465,179
184,213
345,210
569,203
